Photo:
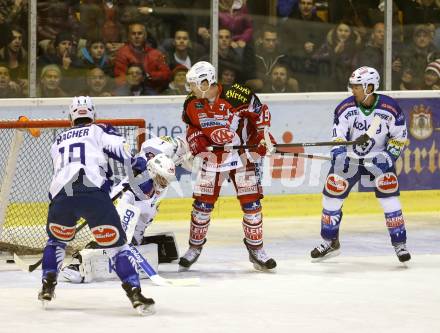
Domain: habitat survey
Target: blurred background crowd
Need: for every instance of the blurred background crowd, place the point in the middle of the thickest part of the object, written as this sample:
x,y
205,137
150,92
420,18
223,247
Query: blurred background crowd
x,y
145,47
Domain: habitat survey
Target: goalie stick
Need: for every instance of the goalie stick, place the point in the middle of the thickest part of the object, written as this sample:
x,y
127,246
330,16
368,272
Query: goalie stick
x,y
364,138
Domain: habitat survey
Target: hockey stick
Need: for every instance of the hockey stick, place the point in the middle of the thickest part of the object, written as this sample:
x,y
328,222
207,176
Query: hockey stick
x,y
155,277
320,157
364,138
32,267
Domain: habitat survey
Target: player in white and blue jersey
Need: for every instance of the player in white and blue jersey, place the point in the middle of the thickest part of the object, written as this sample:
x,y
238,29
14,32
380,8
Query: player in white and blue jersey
x,y
80,188
377,158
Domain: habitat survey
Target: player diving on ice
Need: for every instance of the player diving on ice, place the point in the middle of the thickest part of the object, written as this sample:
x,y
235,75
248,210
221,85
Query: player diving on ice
x,y
145,191
80,188
354,117
222,116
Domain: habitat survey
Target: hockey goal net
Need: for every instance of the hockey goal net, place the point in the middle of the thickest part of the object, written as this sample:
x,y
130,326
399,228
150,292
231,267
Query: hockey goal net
x,y
26,172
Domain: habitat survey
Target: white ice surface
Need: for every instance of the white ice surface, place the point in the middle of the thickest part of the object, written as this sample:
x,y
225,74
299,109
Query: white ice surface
x,y
365,289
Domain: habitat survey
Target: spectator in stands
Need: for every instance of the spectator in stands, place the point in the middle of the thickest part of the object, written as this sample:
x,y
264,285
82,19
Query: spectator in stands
x,y
135,84
234,16
372,54
15,57
178,84
431,79
181,50
302,34
97,84
227,55
420,12
137,51
94,55
8,88
50,82
12,13
279,81
227,76
416,55
336,57
267,55
64,56
54,17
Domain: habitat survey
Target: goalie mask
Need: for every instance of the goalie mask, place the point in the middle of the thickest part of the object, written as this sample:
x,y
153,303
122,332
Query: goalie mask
x,y
161,170
365,76
82,107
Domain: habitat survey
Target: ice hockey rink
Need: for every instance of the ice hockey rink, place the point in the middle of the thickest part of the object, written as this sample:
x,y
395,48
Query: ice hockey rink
x,y
365,289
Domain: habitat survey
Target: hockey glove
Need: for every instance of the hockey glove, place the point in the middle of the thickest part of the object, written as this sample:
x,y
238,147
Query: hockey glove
x,y
262,144
197,142
138,164
384,161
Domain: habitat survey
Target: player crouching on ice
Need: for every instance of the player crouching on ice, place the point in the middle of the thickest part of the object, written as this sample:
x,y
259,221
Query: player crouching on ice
x,y
219,116
352,118
161,154
80,188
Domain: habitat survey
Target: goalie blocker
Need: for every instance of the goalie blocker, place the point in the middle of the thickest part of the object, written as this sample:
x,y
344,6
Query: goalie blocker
x,y
92,264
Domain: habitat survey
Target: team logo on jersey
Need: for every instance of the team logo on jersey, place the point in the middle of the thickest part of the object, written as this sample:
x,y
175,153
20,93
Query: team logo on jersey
x,y
222,135
387,183
105,235
362,150
336,184
62,232
421,122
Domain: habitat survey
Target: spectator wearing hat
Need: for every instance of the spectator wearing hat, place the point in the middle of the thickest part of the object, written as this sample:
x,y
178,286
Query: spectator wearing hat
x,y
415,56
178,84
431,79
50,82
138,51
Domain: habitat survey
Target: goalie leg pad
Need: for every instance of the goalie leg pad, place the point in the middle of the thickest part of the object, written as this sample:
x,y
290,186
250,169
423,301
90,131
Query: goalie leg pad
x,y
53,256
253,224
96,265
200,217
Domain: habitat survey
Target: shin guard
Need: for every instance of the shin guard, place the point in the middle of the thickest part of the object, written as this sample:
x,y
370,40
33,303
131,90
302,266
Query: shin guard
x,y
53,256
200,217
125,265
253,224
396,226
330,221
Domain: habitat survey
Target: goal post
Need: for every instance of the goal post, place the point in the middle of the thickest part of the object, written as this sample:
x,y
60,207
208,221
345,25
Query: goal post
x,y
26,172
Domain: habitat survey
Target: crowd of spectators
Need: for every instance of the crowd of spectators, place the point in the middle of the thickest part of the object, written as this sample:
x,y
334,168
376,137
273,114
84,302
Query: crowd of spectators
x,y
145,47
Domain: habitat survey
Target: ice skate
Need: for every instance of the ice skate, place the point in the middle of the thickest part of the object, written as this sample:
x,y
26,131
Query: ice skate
x,y
402,252
48,289
260,259
328,249
144,306
189,258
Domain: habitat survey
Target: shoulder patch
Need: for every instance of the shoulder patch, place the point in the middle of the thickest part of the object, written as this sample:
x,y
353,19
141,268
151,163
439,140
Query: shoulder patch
x,y
344,105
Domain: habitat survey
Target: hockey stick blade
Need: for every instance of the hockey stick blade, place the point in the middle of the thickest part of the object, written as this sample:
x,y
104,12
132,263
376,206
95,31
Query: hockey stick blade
x,y
161,281
25,267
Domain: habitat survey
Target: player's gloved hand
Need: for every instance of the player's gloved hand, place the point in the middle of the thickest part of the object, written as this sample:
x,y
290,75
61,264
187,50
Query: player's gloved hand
x,y
138,164
263,147
197,143
338,155
384,161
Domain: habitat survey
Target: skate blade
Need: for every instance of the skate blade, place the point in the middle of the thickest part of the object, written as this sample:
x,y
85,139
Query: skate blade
x,y
145,310
183,269
264,269
326,257
44,304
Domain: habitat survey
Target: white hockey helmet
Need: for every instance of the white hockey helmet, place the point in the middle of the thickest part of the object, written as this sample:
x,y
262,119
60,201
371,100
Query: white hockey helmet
x,y
162,170
200,72
82,107
365,76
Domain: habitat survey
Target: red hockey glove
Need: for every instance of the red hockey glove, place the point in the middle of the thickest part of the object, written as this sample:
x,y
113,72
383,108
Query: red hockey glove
x,y
262,144
197,141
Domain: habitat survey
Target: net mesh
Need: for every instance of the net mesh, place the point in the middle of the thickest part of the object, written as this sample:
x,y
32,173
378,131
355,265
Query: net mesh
x,y
24,224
